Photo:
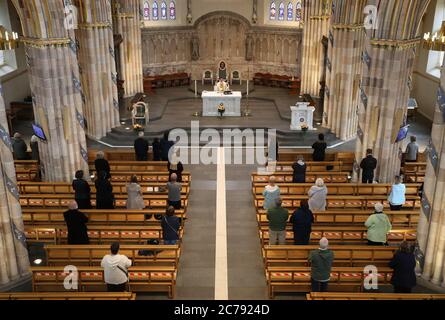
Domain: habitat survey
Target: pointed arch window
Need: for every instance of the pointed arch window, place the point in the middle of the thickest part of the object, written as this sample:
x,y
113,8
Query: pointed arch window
x,y
155,11
290,12
281,12
146,10
172,10
298,11
163,10
273,11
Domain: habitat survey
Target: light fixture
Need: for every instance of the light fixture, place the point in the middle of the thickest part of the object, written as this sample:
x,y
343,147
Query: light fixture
x,y
38,262
436,41
8,40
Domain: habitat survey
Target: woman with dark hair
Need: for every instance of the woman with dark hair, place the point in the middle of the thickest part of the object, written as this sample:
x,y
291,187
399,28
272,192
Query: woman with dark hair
x,y
302,221
104,192
82,191
404,266
156,149
299,168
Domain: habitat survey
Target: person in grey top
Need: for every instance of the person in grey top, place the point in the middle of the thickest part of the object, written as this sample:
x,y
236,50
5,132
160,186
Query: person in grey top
x,y
412,150
19,147
174,192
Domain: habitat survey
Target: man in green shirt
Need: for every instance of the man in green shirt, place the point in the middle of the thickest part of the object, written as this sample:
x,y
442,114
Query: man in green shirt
x,y
321,265
278,217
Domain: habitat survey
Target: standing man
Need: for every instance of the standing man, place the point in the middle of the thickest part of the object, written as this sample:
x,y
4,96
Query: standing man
x,y
319,148
116,269
19,147
141,147
165,145
368,165
76,223
412,150
321,265
277,217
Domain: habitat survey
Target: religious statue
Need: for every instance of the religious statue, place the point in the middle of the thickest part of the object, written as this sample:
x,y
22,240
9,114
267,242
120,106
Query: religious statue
x,y
255,12
249,48
222,86
222,72
195,48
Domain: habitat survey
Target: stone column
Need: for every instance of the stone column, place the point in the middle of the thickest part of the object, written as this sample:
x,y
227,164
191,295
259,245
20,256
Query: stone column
x,y
14,262
316,26
431,229
389,56
346,40
54,77
98,67
126,22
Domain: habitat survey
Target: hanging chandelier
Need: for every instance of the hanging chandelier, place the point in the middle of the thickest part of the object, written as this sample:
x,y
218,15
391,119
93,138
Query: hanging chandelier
x,y
436,41
8,40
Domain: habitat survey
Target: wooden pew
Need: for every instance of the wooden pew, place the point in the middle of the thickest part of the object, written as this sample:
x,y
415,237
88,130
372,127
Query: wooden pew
x,y
343,202
97,234
373,296
21,165
142,279
298,279
342,235
419,167
286,177
155,166
399,219
328,166
68,296
118,188
91,255
38,217
62,201
117,154
344,256
349,189
125,176
347,158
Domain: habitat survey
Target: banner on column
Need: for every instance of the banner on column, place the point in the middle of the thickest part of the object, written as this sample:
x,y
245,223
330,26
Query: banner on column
x,y
441,101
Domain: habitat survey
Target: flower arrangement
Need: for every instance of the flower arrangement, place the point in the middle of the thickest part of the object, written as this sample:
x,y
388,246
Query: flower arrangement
x,y
137,127
304,127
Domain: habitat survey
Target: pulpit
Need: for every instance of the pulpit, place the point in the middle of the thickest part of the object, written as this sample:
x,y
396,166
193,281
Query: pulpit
x,y
302,116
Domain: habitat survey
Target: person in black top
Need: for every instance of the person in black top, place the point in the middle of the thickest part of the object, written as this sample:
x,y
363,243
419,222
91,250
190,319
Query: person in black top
x,y
319,149
101,164
177,169
165,147
156,150
76,223
368,165
82,191
170,227
299,174
404,265
141,147
104,192
302,221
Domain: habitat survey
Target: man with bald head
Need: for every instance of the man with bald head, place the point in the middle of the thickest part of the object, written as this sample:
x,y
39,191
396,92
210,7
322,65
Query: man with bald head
x,y
174,192
76,223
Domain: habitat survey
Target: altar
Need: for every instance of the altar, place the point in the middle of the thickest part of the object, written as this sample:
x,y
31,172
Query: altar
x,y
212,100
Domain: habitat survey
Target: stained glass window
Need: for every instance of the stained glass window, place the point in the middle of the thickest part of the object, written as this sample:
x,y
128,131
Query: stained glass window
x,y
163,10
172,10
299,11
273,11
146,10
281,11
290,12
155,11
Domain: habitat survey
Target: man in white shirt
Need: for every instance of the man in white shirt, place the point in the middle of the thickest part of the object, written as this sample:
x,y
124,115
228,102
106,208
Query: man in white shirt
x,y
116,269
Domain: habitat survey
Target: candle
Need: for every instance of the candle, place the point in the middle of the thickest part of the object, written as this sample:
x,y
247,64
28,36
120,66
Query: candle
x,y
196,88
247,87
